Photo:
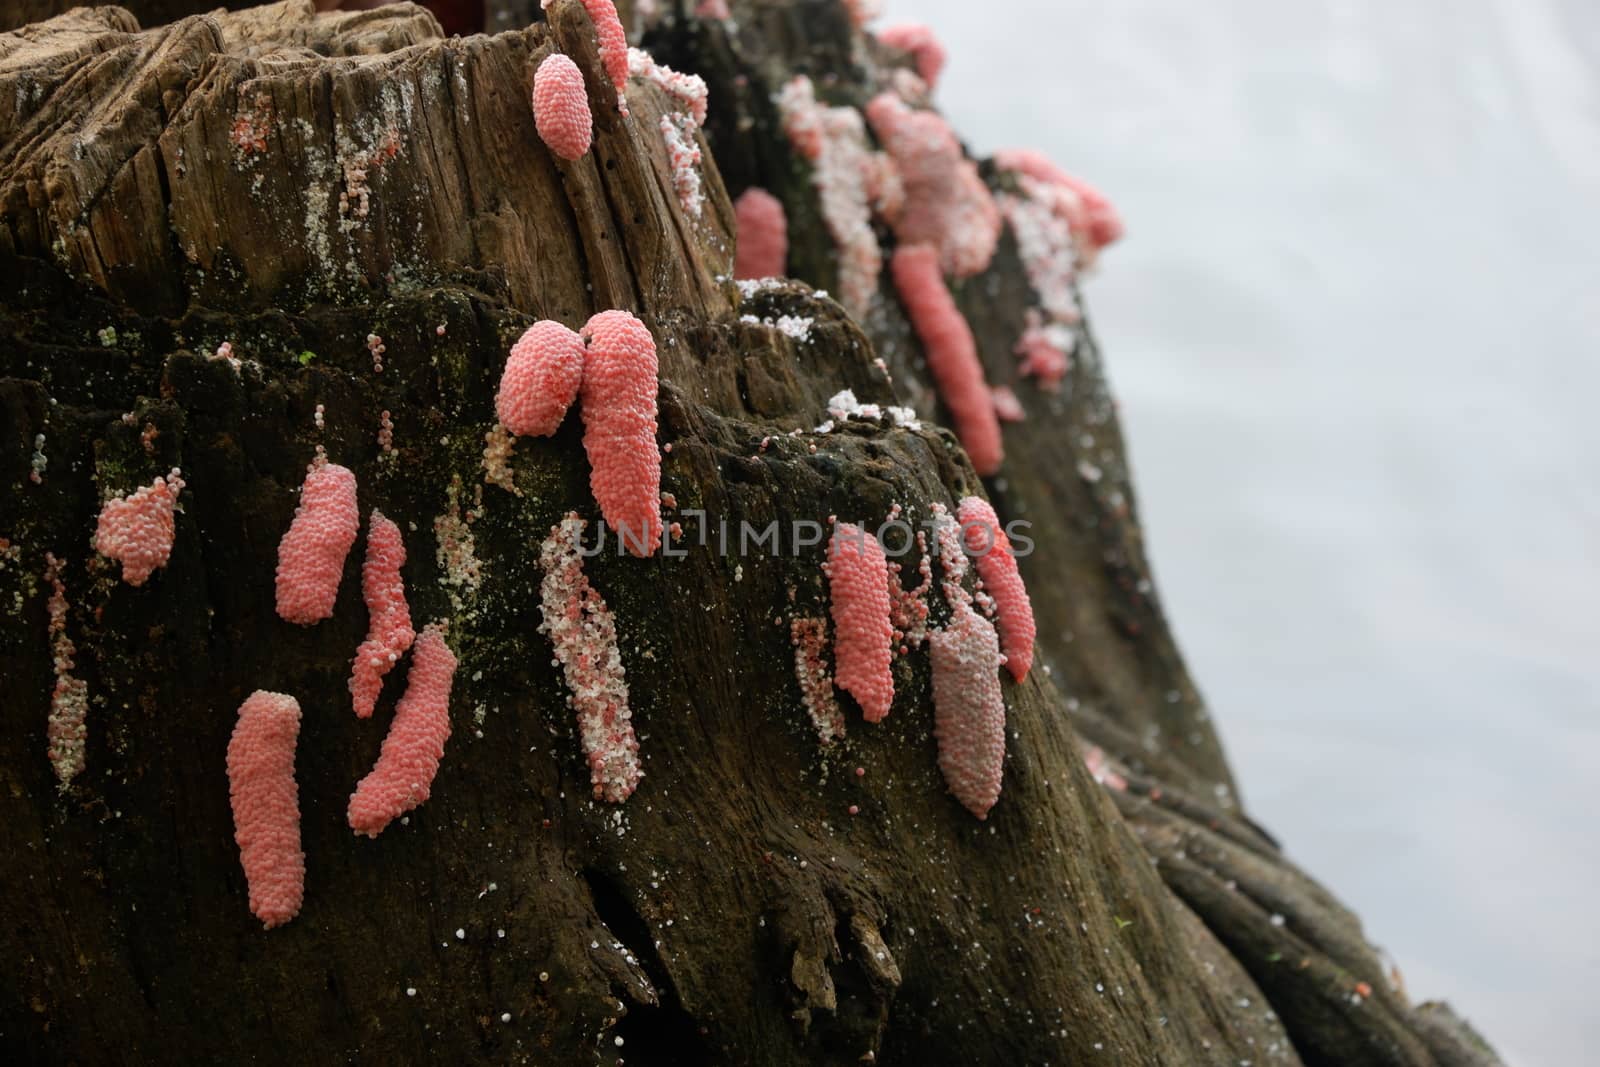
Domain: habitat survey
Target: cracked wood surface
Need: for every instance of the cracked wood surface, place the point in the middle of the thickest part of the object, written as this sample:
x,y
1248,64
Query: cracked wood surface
x,y
181,185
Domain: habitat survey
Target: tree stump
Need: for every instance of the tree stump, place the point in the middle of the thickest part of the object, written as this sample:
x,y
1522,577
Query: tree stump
x,y
296,190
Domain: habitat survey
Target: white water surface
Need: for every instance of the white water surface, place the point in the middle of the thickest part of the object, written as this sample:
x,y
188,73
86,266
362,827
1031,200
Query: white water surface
x,y
1355,330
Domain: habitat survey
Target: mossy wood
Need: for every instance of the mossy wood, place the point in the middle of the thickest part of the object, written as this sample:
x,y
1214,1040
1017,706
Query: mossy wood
x,y
291,183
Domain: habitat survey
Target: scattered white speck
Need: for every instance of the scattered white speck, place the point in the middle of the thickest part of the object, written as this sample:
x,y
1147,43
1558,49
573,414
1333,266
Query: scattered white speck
x,y
795,326
751,286
843,405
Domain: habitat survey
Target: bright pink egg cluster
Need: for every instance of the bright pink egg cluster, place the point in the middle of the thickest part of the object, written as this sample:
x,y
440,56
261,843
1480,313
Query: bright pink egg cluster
x,y
409,759
952,353
389,631
561,107
863,637
137,530
312,553
266,804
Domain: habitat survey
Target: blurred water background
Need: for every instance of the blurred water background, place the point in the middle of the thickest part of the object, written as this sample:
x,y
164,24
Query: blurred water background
x,y
1355,330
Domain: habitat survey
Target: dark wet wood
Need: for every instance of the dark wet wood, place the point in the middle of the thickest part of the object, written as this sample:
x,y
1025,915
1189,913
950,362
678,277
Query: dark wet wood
x,y
167,190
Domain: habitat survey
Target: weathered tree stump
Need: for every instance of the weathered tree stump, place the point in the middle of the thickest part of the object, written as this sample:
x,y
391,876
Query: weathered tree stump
x,y
295,186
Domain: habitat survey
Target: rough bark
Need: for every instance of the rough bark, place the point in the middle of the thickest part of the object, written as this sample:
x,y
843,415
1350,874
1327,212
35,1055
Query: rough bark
x,y
170,189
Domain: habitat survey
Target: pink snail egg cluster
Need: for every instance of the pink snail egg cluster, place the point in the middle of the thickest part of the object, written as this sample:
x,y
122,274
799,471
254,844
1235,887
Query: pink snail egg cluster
x,y
809,636
850,180
618,403
403,776
581,627
612,369
541,379
863,636
1044,351
763,232
1049,225
969,712
909,611
688,91
1090,212
137,530
266,804
312,553
613,44
684,156
389,632
66,734
561,107
952,353
990,548
919,40
947,205
678,127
